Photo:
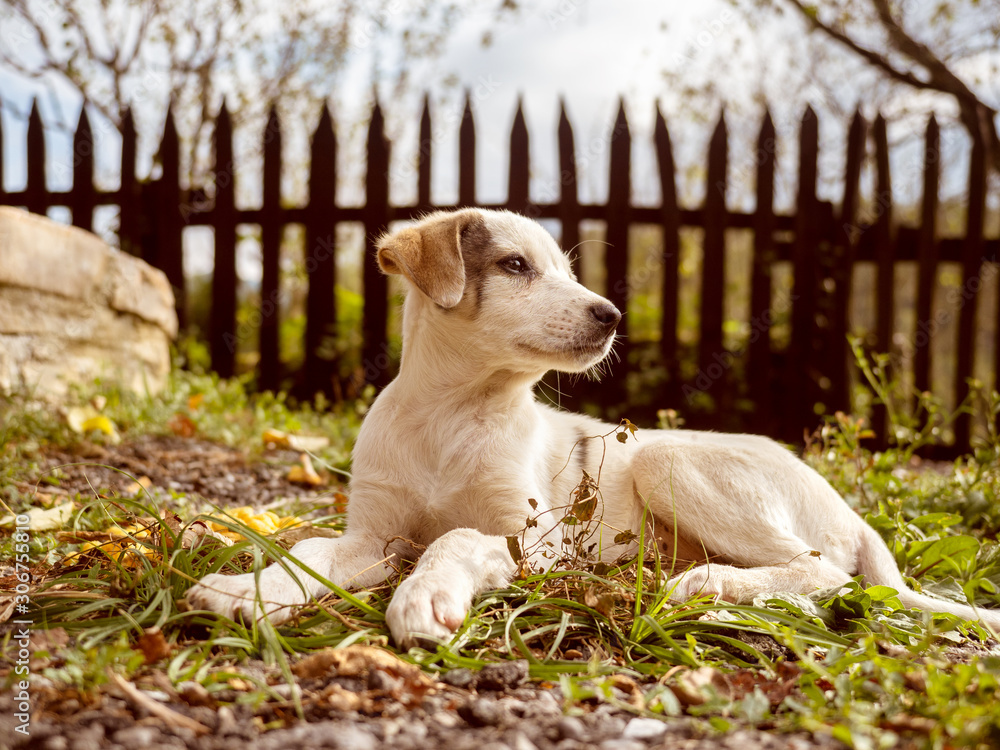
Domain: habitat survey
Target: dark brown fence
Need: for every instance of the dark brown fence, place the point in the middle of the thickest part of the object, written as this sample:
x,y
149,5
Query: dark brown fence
x,y
776,389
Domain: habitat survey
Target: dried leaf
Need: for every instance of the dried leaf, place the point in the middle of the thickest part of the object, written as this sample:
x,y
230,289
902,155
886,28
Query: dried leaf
x,y
585,499
606,605
44,519
7,604
142,483
182,425
360,661
601,601
85,419
76,416
195,401
101,424
152,645
196,533
694,687
275,439
631,687
341,699
626,537
304,473
278,439
514,548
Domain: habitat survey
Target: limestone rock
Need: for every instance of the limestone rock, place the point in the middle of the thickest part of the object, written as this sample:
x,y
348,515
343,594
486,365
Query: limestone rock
x,y
73,309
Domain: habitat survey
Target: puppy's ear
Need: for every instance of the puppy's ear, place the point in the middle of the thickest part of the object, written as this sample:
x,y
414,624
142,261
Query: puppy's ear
x,y
430,255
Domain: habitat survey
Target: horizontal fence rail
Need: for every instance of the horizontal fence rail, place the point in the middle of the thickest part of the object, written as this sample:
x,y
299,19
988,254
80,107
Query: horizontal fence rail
x,y
760,388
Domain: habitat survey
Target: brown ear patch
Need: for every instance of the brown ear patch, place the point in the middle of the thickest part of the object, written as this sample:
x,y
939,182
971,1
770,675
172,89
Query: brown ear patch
x,y
429,255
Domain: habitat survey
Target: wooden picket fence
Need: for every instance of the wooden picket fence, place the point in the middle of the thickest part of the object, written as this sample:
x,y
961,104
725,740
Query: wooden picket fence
x,y
821,241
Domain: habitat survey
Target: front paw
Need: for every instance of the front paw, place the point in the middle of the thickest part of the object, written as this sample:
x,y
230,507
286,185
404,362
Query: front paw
x,y
426,605
709,581
236,597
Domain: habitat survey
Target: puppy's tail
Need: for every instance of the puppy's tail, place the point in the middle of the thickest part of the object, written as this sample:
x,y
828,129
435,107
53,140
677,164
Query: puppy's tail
x,y
876,563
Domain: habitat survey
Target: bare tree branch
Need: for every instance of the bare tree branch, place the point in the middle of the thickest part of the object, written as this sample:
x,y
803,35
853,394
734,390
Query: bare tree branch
x,y
978,118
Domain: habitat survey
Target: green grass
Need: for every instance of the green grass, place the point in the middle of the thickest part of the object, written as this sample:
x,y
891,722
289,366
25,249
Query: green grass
x,y
851,664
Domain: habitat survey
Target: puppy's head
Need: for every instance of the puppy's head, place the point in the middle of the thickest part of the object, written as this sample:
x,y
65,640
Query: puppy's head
x,y
497,285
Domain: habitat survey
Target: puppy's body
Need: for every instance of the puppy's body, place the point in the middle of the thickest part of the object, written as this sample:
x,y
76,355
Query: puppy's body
x,y
455,446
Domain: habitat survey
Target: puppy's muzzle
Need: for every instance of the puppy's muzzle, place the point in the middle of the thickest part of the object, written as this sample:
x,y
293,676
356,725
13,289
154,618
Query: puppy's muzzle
x,y
606,316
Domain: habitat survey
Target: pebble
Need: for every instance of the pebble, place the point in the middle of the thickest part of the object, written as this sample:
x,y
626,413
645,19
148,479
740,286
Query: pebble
x,y
520,741
339,734
507,674
355,738
445,719
379,680
227,721
136,736
644,729
286,691
571,728
460,678
548,700
613,725
621,744
481,712
89,738
415,729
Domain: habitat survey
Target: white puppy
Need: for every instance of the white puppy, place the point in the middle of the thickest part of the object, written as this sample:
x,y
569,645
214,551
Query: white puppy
x,y
455,446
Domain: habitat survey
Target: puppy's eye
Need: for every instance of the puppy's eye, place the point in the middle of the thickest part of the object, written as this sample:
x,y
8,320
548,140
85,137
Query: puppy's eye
x,y
514,264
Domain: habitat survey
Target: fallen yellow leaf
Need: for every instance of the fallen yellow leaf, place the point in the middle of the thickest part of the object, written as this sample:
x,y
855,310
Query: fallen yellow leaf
x,y
142,483
44,519
84,419
277,439
304,473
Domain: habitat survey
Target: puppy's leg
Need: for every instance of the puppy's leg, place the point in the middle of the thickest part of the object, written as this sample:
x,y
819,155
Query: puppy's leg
x,y
353,560
752,504
434,600
741,585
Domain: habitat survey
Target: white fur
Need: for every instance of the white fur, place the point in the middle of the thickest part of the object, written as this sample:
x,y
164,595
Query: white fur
x,y
454,447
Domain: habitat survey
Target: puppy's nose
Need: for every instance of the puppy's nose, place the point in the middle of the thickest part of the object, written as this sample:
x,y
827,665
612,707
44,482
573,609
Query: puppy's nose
x,y
606,314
